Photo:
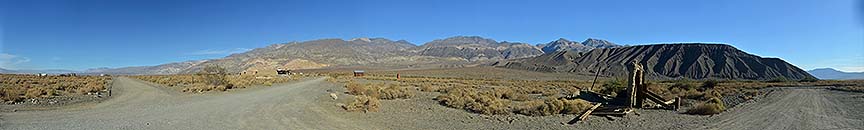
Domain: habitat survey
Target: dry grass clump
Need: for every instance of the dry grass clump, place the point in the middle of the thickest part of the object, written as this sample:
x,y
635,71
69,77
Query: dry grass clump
x,y
395,92
850,88
19,87
713,106
612,87
486,102
379,90
552,106
198,83
10,95
363,103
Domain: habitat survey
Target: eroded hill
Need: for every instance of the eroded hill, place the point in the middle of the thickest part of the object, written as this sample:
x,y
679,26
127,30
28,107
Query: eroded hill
x,y
694,61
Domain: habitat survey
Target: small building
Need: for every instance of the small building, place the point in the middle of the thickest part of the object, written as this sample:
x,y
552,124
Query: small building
x,y
358,73
283,71
68,75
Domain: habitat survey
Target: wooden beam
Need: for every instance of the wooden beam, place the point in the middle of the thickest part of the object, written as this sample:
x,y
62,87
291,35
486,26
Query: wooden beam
x,y
585,115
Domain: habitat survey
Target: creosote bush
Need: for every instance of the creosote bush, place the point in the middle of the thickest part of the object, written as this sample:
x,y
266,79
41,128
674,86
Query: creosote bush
x,y
363,103
612,87
206,82
712,106
553,106
19,87
379,90
479,102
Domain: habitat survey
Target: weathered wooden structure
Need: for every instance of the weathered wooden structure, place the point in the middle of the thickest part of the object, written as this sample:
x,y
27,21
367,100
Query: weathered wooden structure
x,y
633,97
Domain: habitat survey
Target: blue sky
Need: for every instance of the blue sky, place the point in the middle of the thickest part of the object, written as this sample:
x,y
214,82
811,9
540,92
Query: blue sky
x,y
82,34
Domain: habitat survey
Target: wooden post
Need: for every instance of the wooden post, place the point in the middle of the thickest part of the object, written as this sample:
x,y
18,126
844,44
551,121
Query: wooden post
x,y
635,85
595,78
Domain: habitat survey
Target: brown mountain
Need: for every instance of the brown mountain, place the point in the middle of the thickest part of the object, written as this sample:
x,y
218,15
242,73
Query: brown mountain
x,y
475,48
664,61
450,52
566,45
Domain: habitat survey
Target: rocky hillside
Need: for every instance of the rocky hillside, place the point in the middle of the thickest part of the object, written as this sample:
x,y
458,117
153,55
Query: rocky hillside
x,y
664,61
829,73
567,45
170,68
474,48
450,52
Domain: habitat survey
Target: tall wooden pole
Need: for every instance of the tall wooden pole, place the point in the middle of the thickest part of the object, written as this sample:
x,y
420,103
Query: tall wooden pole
x,y
597,73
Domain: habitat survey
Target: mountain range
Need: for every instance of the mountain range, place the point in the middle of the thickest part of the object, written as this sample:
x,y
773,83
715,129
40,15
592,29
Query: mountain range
x,y
663,61
829,73
456,51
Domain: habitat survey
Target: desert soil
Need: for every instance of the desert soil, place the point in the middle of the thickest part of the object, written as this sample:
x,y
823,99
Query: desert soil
x,y
306,104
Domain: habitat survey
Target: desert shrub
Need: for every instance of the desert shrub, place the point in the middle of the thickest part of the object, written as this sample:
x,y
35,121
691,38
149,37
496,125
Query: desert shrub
x,y
516,96
778,80
395,92
712,106
709,84
612,87
474,101
457,98
214,75
363,103
35,93
355,88
489,105
684,86
809,79
18,87
10,95
213,80
380,91
429,88
90,88
552,106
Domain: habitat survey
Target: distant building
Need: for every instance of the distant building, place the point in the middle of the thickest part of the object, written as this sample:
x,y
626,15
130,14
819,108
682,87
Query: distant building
x,y
358,73
283,71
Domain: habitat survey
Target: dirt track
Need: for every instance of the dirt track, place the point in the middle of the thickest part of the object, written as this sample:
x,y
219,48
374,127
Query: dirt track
x,y
797,108
306,104
138,105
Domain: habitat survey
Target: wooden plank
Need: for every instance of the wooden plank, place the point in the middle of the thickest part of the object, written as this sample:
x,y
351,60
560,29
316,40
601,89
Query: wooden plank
x,y
584,115
587,113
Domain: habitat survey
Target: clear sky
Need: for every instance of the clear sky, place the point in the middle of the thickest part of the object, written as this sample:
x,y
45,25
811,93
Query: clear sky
x,y
82,34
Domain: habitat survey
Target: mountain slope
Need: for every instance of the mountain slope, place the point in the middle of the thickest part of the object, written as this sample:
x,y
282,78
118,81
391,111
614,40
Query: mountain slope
x,y
566,45
829,73
475,48
163,69
664,61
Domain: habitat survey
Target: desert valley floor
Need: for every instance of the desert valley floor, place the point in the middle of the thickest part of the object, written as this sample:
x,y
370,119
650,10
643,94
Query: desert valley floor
x,y
305,104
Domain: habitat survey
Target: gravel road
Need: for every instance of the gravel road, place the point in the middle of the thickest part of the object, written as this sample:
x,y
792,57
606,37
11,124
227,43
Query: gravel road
x,y
797,109
140,105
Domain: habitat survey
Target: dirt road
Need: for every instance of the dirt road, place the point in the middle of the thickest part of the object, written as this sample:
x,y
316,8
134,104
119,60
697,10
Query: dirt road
x,y
139,105
797,108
